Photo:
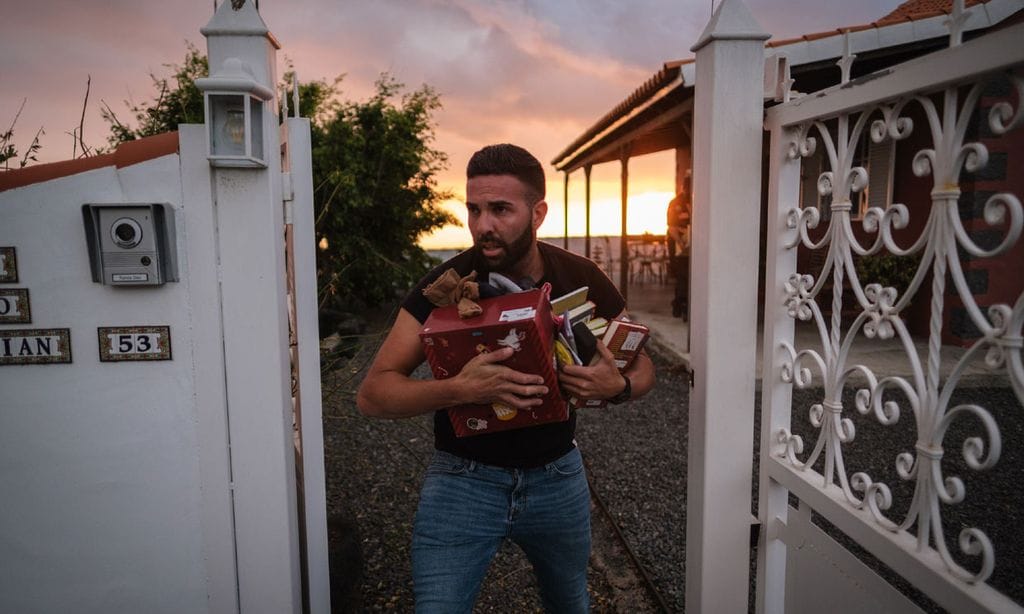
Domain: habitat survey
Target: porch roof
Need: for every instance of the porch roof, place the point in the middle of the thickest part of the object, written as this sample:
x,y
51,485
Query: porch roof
x,y
647,121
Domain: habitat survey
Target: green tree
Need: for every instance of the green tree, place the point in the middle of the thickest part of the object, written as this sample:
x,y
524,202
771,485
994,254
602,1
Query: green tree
x,y
178,101
374,172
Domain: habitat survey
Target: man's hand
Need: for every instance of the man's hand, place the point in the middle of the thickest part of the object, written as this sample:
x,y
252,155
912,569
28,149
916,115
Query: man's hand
x,y
600,380
483,381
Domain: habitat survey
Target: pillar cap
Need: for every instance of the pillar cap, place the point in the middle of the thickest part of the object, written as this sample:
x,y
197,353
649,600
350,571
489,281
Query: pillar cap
x,y
732,21
243,21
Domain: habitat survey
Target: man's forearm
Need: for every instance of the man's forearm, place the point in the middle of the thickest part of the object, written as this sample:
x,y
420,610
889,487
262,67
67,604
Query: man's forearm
x,y
394,395
641,375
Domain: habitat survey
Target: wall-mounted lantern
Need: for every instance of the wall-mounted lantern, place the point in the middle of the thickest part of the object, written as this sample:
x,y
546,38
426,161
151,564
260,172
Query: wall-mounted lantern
x,y
234,103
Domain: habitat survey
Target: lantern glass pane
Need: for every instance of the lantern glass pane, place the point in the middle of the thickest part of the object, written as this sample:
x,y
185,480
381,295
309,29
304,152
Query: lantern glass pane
x,y
227,132
256,121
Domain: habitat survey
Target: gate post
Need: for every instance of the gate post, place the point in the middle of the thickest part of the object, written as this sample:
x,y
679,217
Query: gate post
x,y
249,217
728,117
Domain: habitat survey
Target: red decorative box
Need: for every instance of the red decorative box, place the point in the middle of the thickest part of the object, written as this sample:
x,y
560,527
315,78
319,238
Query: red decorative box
x,y
521,320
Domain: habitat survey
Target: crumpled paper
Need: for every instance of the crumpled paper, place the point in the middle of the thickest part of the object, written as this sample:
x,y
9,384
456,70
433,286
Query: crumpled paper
x,y
451,289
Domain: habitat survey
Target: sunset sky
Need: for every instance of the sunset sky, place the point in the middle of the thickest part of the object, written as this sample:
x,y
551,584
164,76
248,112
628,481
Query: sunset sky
x,y
533,72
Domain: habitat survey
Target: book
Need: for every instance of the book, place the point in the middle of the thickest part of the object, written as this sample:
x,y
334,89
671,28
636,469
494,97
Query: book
x,y
563,354
569,300
566,336
625,339
598,326
582,312
586,343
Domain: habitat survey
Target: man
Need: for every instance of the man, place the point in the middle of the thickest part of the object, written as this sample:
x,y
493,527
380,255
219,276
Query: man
x,y
527,484
678,214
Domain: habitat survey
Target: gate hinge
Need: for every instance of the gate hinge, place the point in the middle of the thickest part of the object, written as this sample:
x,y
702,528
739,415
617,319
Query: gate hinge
x,y
288,196
287,189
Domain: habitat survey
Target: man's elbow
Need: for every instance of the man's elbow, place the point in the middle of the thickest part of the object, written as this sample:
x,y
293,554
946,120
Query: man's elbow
x,y
366,403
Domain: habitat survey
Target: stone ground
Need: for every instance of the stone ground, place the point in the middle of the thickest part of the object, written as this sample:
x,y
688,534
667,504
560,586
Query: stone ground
x,y
636,459
374,471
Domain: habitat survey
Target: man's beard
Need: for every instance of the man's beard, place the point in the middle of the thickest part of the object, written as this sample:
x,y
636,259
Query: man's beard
x,y
514,251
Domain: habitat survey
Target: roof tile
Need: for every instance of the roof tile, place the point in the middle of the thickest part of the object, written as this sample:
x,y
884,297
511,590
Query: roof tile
x,y
126,154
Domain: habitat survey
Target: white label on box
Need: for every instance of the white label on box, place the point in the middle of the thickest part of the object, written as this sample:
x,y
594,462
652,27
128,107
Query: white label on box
x,y
130,276
514,315
632,341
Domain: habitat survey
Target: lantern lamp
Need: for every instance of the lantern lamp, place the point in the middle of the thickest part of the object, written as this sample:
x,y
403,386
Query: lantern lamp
x,y
234,102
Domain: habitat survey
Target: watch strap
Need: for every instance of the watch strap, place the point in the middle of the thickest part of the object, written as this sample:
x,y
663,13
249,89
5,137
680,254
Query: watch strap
x,y
625,395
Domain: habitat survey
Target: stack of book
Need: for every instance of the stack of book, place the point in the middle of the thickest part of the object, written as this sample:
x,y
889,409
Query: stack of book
x,y
580,332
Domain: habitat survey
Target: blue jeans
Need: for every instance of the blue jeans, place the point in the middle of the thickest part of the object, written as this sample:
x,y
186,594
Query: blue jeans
x,y
467,509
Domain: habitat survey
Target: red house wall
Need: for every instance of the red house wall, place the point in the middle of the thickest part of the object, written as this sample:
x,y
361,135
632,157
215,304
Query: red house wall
x,y
998,280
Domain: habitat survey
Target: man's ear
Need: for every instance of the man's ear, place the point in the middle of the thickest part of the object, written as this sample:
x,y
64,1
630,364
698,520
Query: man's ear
x,y
540,211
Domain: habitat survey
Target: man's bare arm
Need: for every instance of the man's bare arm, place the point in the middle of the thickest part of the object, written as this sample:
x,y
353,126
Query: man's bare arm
x,y
389,392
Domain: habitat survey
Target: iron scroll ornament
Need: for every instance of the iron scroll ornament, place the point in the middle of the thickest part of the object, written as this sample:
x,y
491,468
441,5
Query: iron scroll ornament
x,y
926,396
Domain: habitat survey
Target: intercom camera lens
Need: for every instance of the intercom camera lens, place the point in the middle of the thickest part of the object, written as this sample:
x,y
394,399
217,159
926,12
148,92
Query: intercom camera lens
x,y
145,261
126,233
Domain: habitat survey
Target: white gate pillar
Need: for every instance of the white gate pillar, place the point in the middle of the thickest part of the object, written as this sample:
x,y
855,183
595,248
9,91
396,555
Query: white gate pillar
x,y
249,217
727,132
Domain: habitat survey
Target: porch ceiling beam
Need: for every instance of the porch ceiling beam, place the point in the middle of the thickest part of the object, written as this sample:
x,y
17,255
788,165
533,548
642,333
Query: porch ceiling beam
x,y
609,150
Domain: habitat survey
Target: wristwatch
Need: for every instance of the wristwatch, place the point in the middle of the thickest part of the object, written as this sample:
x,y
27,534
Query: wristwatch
x,y
626,393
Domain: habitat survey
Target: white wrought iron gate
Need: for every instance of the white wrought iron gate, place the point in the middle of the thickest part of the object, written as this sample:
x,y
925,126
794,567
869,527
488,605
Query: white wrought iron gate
x,y
884,453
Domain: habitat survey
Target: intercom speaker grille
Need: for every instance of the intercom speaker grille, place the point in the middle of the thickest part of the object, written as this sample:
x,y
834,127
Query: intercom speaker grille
x,y
121,259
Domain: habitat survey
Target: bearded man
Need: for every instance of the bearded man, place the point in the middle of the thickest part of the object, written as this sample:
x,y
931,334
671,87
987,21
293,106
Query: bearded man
x,y
527,485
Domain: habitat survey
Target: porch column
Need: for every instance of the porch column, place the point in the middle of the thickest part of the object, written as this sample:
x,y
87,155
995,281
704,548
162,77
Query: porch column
x,y
565,204
727,130
586,240
624,238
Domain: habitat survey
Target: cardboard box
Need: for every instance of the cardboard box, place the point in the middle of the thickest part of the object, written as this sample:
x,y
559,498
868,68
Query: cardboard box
x,y
522,321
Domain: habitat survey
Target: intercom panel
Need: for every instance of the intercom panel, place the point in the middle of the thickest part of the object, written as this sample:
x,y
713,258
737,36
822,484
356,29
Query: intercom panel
x,y
131,244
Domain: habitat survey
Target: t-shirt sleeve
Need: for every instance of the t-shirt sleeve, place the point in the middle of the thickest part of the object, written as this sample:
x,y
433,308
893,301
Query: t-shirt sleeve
x,y
417,304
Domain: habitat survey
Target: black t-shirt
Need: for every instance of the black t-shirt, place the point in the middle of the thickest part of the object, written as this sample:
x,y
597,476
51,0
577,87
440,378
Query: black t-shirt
x,y
536,445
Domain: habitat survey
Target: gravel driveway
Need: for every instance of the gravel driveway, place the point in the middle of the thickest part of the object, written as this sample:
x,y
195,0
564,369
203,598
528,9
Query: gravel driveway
x,y
636,459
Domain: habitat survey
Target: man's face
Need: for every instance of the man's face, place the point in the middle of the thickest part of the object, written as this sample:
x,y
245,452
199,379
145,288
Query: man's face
x,y
502,222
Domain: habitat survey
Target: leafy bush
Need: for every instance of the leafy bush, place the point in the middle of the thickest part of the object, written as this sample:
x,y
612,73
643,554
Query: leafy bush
x,y
9,151
375,175
888,270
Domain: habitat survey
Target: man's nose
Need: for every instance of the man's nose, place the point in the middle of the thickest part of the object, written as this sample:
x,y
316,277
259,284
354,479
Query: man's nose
x,y
484,223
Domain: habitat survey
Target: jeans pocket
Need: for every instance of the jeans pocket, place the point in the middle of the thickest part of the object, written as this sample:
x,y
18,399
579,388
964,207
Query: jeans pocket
x,y
444,463
569,465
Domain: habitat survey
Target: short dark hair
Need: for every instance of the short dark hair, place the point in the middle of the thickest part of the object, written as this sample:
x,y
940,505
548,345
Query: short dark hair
x,y
508,159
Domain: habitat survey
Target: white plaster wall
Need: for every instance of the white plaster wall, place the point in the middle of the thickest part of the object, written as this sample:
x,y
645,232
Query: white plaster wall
x,y
103,465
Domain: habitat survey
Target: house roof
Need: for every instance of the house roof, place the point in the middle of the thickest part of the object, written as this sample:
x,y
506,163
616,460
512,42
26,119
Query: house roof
x,y
924,17
126,154
912,10
921,9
